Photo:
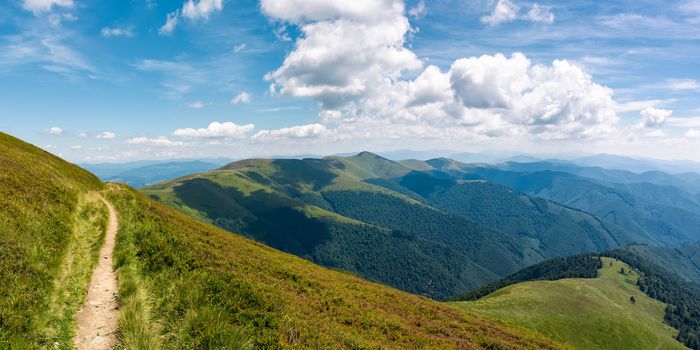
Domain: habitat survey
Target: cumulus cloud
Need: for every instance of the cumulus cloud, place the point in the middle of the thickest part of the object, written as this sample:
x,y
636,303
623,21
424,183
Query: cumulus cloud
x,y
654,117
54,130
349,49
352,56
196,105
38,6
243,97
191,10
507,11
227,130
82,135
161,141
294,132
76,147
107,135
110,32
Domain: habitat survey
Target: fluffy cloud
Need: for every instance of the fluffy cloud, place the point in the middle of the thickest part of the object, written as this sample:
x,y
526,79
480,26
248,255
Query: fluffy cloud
x,y
107,135
243,97
37,6
349,49
191,10
110,32
82,135
161,141
653,117
294,132
352,56
227,130
507,11
53,131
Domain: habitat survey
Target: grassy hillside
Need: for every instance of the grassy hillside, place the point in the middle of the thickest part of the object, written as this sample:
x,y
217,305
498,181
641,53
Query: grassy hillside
x,y
205,288
596,313
420,231
50,225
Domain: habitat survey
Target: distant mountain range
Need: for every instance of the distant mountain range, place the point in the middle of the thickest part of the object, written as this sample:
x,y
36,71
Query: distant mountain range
x,y
422,226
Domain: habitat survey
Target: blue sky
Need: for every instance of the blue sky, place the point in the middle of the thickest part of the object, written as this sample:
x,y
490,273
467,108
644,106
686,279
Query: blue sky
x,y
148,79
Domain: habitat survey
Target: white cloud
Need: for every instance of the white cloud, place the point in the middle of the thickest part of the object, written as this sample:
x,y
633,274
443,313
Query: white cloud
x,y
419,11
339,59
161,141
539,13
295,132
49,147
638,105
53,131
82,135
170,22
239,48
107,135
684,122
692,134
653,117
110,32
681,84
228,130
38,6
76,147
196,105
506,11
200,10
243,97
351,57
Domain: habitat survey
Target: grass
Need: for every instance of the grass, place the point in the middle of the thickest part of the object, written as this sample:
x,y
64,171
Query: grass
x,y
40,195
196,287
70,286
586,313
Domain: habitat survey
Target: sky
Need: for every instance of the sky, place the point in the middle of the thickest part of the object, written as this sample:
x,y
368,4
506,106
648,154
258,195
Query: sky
x,y
117,81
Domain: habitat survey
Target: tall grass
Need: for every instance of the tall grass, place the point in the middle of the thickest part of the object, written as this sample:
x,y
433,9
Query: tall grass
x,y
39,196
203,288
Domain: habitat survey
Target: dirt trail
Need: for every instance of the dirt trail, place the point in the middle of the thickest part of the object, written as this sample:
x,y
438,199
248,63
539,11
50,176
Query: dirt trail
x,y
97,320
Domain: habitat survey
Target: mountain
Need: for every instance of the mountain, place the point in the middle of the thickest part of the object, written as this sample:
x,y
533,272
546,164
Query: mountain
x,y
687,182
636,208
606,312
186,284
425,232
139,174
684,261
638,165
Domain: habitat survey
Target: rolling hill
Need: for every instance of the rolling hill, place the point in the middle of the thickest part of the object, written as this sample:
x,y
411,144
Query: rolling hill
x,y
606,312
186,284
422,231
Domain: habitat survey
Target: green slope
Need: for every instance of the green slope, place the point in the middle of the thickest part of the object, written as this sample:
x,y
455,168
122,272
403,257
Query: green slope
x,y
586,313
425,232
207,288
184,284
50,226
